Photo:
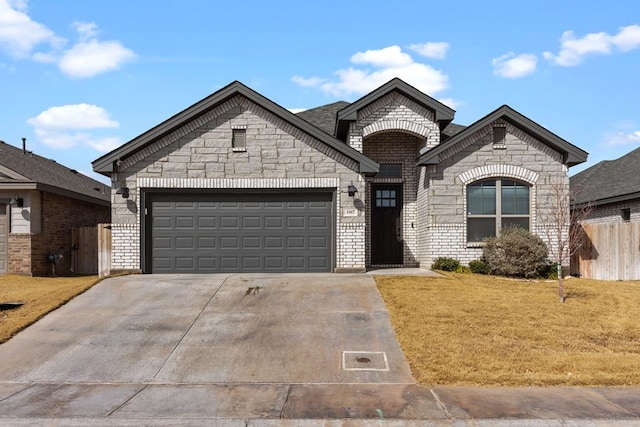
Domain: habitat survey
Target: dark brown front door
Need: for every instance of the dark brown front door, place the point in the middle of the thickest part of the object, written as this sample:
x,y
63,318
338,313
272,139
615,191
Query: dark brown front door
x,y
386,224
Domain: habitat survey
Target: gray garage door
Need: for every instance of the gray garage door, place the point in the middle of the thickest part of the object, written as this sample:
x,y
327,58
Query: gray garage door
x,y
204,233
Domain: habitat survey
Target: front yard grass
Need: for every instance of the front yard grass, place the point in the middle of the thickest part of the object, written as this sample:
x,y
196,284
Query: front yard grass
x,y
468,329
40,295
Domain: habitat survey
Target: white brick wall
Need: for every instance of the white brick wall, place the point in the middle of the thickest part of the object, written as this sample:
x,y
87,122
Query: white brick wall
x,y
611,213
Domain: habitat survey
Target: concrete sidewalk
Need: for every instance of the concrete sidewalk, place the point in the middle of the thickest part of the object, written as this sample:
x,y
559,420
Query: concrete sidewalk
x,y
262,350
313,404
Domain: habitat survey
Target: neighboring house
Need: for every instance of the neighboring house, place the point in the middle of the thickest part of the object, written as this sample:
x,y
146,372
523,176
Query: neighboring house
x,y
40,201
611,249
237,183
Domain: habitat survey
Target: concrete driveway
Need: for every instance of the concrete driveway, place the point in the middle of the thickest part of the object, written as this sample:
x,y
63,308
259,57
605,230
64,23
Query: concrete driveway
x,y
199,329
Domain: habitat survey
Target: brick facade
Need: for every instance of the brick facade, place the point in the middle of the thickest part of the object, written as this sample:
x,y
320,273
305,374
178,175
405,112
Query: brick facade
x,y
612,213
29,253
392,129
522,158
277,155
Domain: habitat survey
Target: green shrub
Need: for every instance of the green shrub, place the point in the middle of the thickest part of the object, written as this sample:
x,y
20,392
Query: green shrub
x,y
463,269
479,266
516,252
445,264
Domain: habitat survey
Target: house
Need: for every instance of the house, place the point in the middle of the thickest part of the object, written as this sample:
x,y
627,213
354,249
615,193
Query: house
x,y
40,201
611,248
236,182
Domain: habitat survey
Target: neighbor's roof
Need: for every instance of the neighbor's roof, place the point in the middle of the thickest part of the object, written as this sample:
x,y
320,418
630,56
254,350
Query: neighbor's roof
x,y
609,181
572,155
105,164
20,170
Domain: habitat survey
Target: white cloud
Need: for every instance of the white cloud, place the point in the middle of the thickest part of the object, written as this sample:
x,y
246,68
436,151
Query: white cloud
x,y
514,66
391,56
311,81
297,110
573,50
88,57
19,34
92,57
66,126
622,138
373,68
435,50
86,30
451,103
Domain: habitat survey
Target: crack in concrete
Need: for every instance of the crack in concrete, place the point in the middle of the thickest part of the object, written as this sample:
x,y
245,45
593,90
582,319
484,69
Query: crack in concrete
x,y
192,323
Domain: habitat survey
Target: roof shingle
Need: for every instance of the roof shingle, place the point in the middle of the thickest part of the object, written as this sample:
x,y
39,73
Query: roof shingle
x,y
610,179
40,170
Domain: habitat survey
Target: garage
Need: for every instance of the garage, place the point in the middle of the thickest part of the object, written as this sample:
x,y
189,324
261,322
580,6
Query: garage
x,y
223,232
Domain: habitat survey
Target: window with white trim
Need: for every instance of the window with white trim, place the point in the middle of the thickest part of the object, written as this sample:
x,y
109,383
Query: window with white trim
x,y
239,139
494,204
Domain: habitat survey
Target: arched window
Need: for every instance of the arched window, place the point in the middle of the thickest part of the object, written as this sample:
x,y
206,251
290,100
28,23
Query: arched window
x,y
494,204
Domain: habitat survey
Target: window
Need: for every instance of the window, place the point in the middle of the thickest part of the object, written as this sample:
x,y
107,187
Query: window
x,y
625,214
239,139
499,137
389,171
495,204
385,198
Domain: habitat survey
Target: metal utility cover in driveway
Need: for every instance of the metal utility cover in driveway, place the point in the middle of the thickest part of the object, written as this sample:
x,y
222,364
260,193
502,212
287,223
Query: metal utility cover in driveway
x,y
239,232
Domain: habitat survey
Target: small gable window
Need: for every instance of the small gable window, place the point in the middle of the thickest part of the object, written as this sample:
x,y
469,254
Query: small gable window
x,y
499,137
239,139
626,214
495,204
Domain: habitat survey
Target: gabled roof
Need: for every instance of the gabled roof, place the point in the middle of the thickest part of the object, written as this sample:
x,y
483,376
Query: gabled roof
x,y
24,170
443,114
609,181
323,117
105,164
572,155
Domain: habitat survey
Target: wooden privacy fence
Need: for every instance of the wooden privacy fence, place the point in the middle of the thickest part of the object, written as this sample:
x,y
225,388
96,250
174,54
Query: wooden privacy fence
x,y
91,250
609,252
104,250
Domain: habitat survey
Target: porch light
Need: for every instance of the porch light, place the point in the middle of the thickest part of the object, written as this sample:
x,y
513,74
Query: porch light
x,y
124,191
17,201
352,190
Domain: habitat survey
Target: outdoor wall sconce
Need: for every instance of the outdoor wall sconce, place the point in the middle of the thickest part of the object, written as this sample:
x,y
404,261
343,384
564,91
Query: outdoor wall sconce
x,y
17,201
352,190
124,191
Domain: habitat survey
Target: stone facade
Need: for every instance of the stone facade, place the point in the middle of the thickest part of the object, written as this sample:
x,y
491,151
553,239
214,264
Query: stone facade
x,y
277,155
29,252
392,127
444,218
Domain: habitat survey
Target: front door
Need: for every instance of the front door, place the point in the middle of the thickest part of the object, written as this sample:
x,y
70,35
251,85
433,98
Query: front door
x,y
386,224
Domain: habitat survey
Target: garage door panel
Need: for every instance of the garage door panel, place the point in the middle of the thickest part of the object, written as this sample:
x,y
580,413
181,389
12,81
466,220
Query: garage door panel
x,y
251,222
295,222
229,222
206,242
228,232
205,222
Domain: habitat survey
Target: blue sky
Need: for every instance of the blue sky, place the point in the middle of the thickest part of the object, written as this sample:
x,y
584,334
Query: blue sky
x,y
78,78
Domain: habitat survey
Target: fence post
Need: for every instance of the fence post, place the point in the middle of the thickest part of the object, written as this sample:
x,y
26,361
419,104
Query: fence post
x,y
104,250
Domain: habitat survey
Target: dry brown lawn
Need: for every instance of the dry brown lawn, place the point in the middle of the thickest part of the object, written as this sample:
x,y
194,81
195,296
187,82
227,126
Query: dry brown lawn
x,y
40,294
467,329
